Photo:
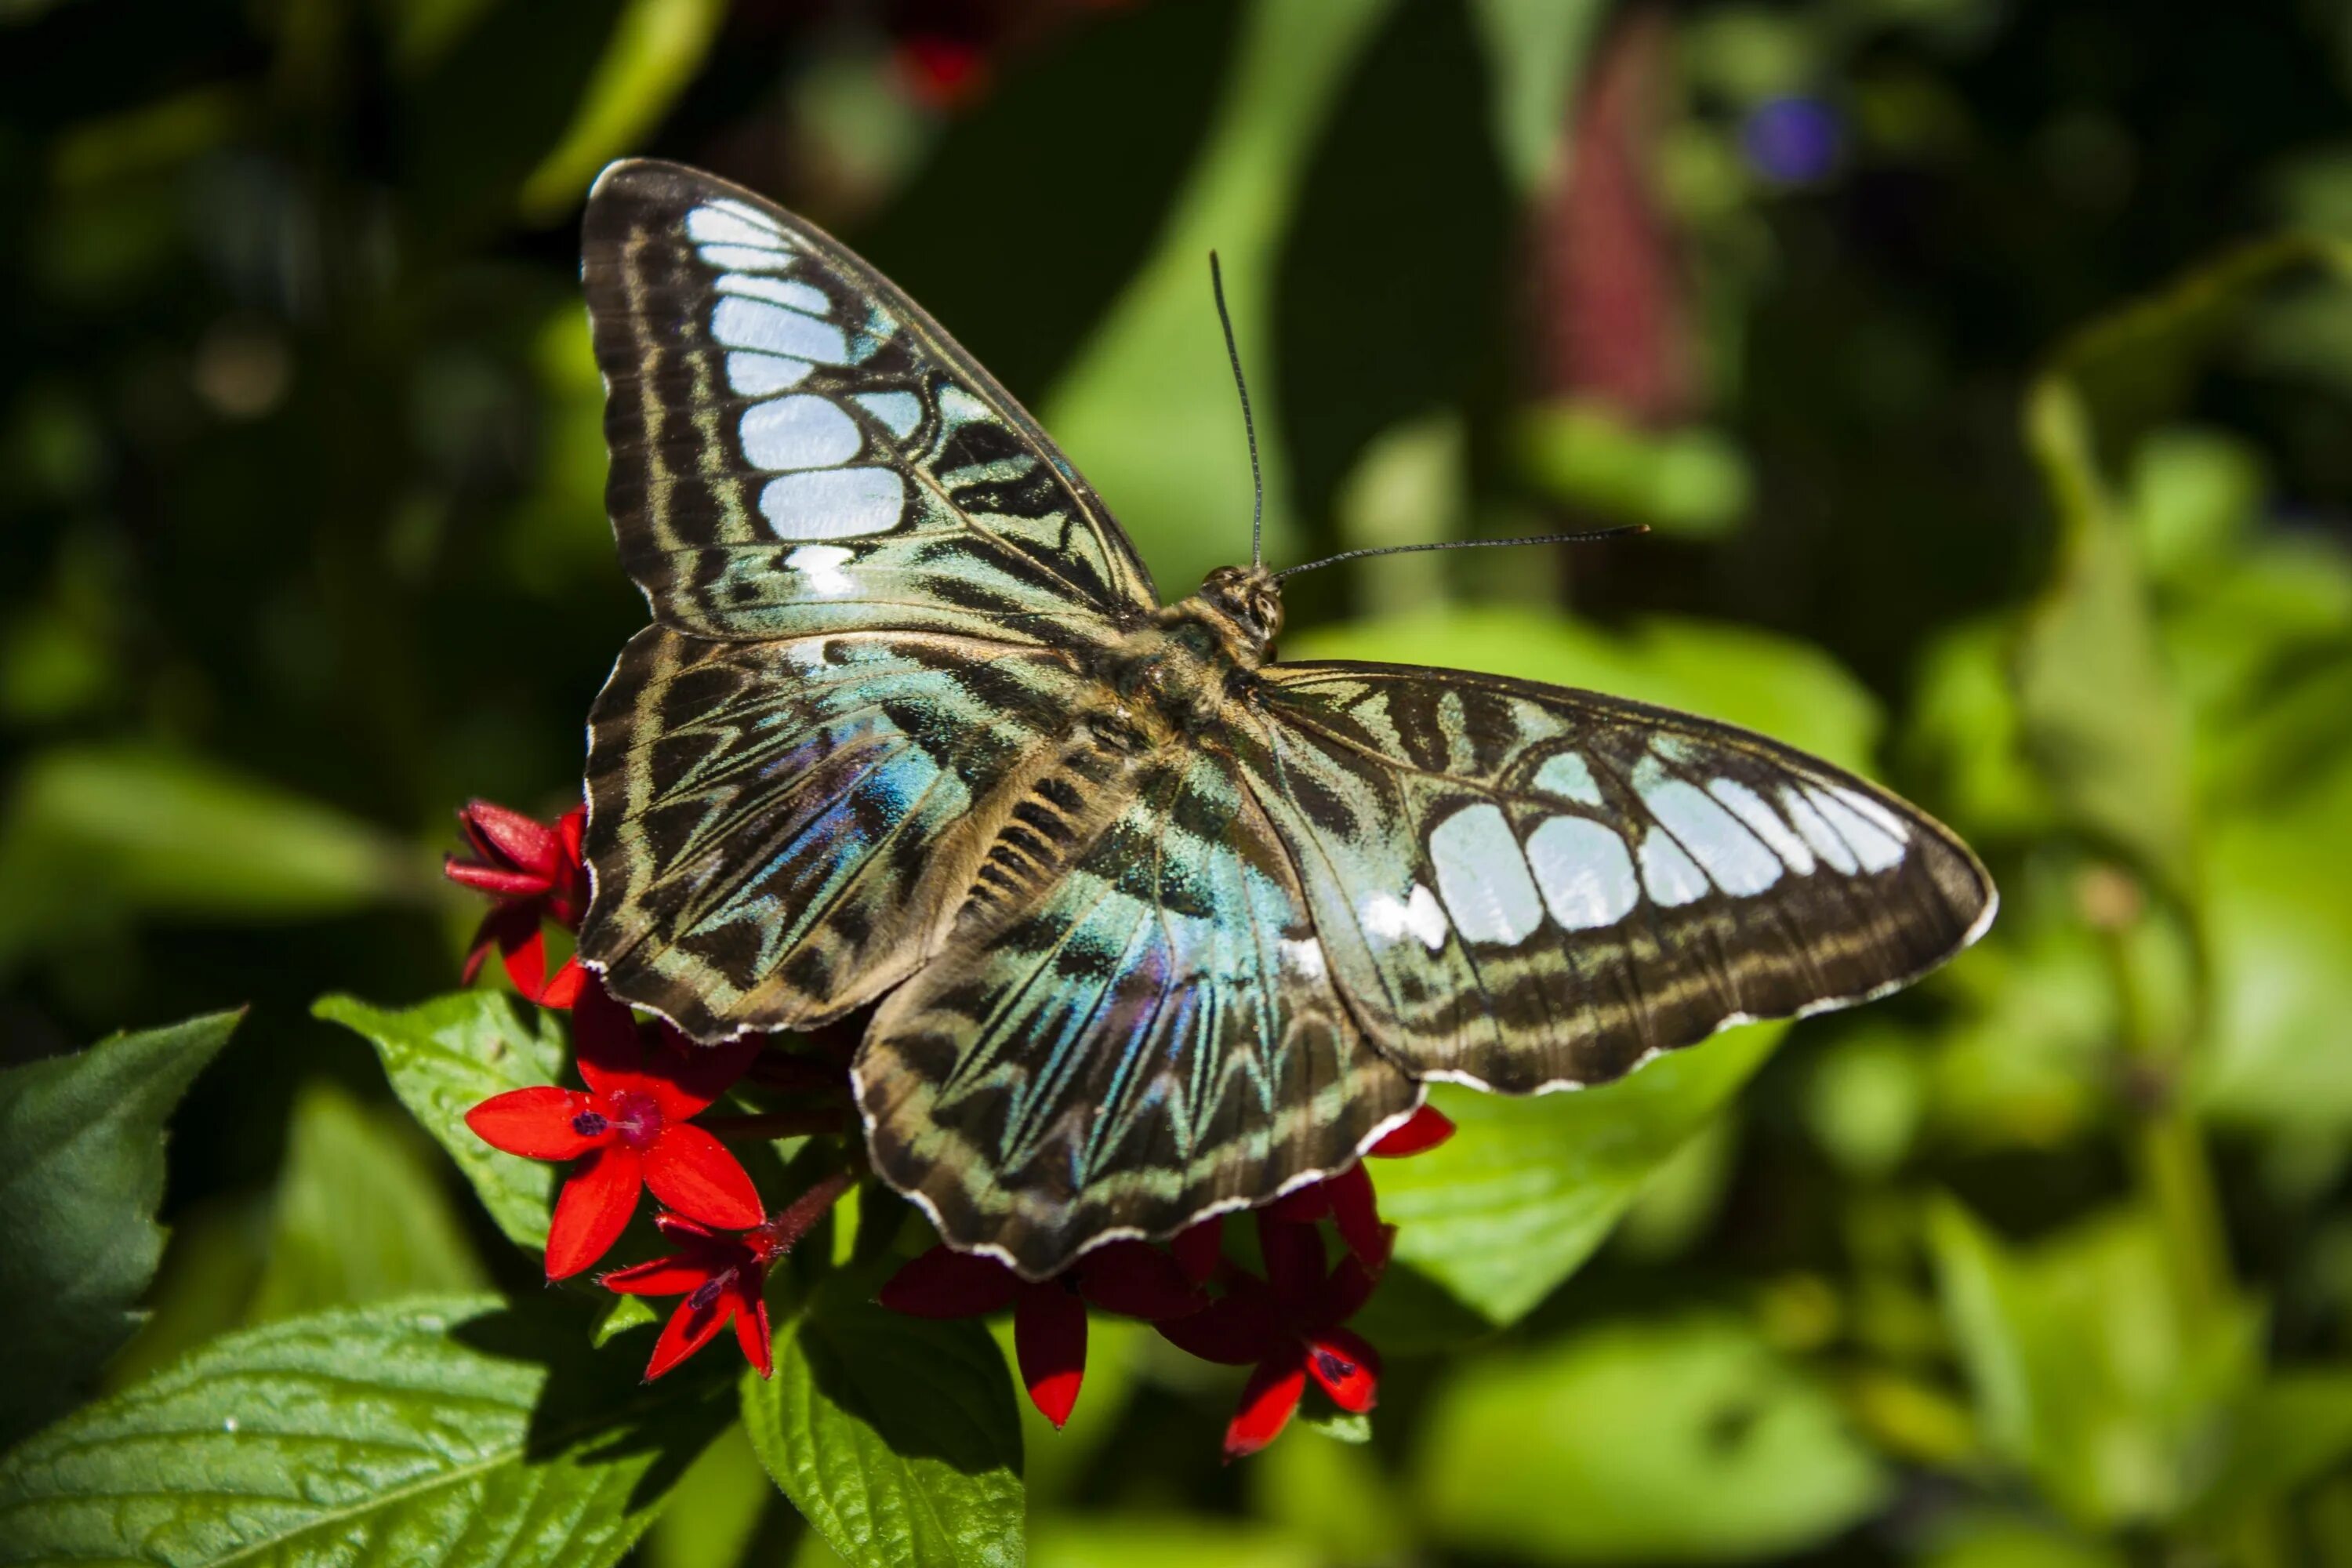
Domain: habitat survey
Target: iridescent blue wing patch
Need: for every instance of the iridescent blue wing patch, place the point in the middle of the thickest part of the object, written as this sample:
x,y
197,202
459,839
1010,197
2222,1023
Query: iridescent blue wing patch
x,y
1526,888
1145,1035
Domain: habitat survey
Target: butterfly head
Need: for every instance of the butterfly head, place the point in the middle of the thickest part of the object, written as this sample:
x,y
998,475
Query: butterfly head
x,y
1249,602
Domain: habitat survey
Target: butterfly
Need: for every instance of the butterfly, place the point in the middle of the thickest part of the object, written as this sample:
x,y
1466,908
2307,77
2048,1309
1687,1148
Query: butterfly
x,y
1153,925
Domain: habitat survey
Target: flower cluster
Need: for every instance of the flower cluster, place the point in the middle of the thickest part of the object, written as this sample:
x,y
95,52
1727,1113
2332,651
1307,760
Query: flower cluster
x,y
635,1127
1284,1324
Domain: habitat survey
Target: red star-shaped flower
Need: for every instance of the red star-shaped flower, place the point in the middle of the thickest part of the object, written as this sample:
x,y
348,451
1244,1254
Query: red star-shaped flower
x,y
1288,1326
1049,1316
629,1130
723,1278
535,873
1347,1200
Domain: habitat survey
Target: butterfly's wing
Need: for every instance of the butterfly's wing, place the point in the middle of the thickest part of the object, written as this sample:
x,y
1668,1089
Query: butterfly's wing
x,y
1151,1037
797,447
1526,888
869,571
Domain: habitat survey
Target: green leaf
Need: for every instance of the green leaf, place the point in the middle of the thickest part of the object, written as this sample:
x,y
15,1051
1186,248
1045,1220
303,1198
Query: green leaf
x,y
446,1056
360,1215
1787,689
715,1509
82,1173
895,1436
1147,412
653,51
458,1431
1691,482
1129,1540
1324,1484
2291,1431
2278,925
1529,1188
2085,1375
95,834
1534,49
1691,1441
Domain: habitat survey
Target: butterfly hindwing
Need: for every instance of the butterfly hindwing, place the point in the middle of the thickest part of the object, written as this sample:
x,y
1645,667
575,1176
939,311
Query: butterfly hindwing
x,y
1526,888
779,828
797,447
1152,1036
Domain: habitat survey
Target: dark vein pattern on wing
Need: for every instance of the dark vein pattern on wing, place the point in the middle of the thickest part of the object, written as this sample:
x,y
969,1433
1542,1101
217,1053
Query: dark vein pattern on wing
x,y
1525,886
1155,1037
797,448
771,825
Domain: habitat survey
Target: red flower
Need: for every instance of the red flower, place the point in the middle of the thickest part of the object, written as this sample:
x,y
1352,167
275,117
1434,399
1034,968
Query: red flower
x,y
723,1279
535,874
1049,1316
631,1125
1288,1325
1347,1199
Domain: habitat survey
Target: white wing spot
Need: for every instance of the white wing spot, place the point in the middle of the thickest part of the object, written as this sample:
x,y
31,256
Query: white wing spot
x,y
745,258
750,375
1758,813
1303,957
900,412
1877,849
1834,851
732,224
1735,860
1483,877
1568,776
1668,873
834,503
802,431
742,323
1386,918
822,565
782,290
1586,876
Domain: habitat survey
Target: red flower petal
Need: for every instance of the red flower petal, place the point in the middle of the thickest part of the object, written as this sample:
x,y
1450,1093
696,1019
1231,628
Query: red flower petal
x,y
1236,1330
684,1078
1349,1287
535,1123
568,898
1294,1263
678,1275
1356,1212
1049,1340
562,987
1305,1206
691,1170
688,1330
495,880
502,833
1138,1280
1268,1400
1348,1368
1425,1130
605,1046
751,1333
593,1210
945,1283
1200,1249
525,953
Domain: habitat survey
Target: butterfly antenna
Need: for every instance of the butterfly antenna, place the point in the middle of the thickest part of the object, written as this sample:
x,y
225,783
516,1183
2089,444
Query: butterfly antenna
x,y
1249,425
1464,544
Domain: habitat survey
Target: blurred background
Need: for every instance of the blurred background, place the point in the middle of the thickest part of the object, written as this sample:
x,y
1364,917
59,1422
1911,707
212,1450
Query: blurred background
x,y
1980,368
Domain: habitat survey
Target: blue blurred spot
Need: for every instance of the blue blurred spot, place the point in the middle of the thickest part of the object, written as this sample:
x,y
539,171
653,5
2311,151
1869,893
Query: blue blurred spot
x,y
1792,141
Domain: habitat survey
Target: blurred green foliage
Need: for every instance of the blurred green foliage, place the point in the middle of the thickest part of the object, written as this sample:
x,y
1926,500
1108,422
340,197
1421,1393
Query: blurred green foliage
x,y
2004,460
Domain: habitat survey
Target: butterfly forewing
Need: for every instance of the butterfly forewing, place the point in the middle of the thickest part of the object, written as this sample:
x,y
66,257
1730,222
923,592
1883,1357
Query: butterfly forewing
x,y
797,447
1528,888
